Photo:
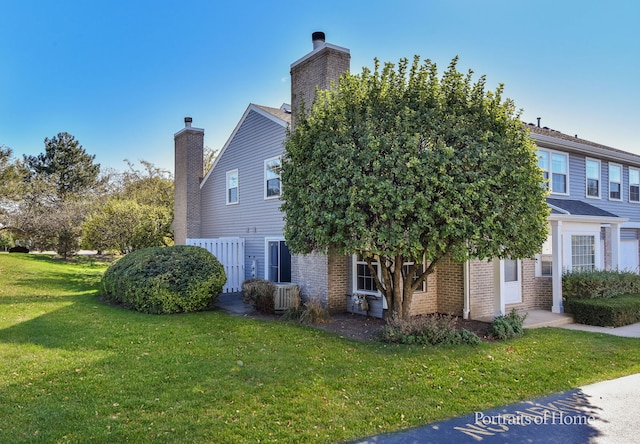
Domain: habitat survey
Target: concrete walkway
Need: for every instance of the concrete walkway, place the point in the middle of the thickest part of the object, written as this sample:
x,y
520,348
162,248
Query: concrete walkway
x,y
543,318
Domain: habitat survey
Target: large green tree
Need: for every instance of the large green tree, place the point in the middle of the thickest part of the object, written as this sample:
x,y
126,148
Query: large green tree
x,y
403,167
65,165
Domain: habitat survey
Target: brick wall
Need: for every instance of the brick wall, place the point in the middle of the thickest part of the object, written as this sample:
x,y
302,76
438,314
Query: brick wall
x,y
482,290
339,282
426,302
318,69
309,272
189,147
450,287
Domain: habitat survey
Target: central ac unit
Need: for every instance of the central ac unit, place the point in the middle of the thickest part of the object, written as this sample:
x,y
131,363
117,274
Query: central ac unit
x,y
286,295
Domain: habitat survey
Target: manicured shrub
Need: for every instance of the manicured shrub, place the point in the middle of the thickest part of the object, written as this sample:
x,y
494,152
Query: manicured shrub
x,y
599,284
616,312
433,329
260,293
164,280
507,326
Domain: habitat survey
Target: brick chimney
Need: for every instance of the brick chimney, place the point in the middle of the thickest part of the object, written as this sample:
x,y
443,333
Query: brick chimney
x,y
324,64
189,153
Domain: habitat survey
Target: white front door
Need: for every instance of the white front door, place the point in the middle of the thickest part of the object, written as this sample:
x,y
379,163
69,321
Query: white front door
x,y
629,255
511,281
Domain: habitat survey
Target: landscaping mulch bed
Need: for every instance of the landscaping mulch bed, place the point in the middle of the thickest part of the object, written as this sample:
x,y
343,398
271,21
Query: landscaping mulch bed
x,y
367,328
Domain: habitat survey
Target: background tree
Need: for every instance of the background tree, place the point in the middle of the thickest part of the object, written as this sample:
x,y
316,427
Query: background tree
x,y
126,225
59,187
138,213
12,174
64,164
401,167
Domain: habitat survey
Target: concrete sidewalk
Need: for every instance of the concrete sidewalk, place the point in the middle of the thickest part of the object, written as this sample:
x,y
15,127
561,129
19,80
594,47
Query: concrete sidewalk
x,y
601,413
628,331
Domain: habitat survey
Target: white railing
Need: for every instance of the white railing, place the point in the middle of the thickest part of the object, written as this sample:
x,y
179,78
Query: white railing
x,y
230,252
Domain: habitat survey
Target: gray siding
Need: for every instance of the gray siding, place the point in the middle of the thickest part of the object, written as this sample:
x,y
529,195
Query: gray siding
x,y
253,217
578,188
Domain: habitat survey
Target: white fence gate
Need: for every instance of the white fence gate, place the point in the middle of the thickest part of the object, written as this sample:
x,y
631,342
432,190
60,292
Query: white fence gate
x,y
230,252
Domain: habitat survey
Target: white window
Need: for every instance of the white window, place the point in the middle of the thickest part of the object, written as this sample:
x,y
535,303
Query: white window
x,y
583,252
555,168
634,185
232,187
615,182
364,281
593,178
544,260
272,178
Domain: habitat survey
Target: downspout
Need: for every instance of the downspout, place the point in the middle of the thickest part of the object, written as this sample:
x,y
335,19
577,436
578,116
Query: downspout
x,y
467,290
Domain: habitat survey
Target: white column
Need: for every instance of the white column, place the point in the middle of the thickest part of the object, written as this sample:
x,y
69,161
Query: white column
x,y
615,246
556,280
498,300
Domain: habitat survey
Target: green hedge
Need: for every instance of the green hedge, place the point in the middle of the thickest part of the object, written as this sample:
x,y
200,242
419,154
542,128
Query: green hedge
x,y
164,280
615,312
599,284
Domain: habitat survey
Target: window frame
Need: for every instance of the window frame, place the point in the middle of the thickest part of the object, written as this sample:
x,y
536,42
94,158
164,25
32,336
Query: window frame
x,y
269,266
356,261
549,173
616,165
267,179
599,178
229,174
634,184
581,266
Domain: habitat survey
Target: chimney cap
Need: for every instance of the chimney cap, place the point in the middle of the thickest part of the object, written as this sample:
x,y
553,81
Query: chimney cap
x,y
187,122
318,35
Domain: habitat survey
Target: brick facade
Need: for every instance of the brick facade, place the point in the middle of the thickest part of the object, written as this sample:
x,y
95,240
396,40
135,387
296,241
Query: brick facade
x,y
310,272
319,68
482,289
189,149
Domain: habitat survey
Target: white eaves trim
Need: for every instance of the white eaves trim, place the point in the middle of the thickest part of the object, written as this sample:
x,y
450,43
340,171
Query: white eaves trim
x,y
587,150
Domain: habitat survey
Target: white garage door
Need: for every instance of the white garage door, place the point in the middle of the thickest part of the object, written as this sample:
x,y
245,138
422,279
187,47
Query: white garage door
x,y
629,255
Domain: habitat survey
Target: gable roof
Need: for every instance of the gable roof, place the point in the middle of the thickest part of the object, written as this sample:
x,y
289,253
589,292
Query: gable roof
x,y
281,116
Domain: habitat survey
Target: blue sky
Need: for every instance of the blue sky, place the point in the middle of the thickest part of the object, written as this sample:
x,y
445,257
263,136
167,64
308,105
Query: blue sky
x,y
121,76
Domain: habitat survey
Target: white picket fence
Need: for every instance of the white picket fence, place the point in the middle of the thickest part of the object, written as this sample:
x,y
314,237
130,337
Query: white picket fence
x,y
230,252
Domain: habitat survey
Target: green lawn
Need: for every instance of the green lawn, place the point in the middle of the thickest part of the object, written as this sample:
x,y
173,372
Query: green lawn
x,y
75,370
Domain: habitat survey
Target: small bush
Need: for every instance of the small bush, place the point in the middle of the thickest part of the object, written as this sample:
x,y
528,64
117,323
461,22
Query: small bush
x,y
427,330
623,310
164,280
294,312
599,284
508,326
260,293
314,312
